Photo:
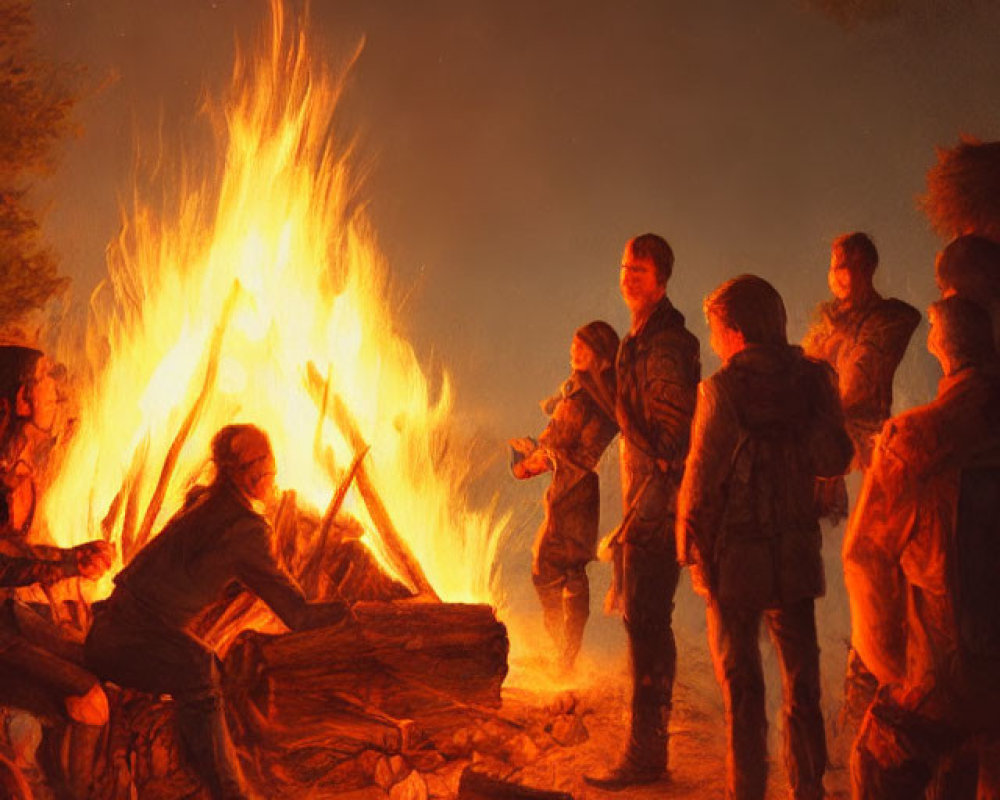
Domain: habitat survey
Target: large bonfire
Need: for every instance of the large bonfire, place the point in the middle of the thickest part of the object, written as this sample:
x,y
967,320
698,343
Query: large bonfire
x,y
256,293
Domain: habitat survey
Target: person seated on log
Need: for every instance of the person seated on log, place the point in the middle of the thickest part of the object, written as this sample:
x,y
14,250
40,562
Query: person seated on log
x,y
141,637
581,427
921,559
41,668
38,662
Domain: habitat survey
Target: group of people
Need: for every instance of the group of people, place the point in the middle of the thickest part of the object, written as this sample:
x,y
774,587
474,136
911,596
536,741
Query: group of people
x,y
730,477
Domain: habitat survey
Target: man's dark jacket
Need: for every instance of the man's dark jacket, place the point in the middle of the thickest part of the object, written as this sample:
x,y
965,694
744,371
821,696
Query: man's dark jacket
x,y
658,370
217,539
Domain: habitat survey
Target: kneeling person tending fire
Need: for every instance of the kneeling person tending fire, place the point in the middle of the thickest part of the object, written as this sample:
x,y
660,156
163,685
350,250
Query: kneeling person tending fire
x,y
141,637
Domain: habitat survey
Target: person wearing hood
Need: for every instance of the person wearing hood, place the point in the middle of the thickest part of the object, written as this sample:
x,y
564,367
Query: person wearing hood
x,y
581,426
767,424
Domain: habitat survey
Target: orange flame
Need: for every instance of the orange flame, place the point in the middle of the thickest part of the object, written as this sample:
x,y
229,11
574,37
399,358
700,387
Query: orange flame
x,y
280,219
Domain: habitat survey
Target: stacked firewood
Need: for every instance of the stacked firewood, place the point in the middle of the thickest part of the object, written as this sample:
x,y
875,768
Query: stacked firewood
x,y
335,707
480,754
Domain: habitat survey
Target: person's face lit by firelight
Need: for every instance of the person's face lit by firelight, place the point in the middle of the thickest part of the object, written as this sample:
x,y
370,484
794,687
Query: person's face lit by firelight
x,y
44,396
639,282
934,343
581,356
840,277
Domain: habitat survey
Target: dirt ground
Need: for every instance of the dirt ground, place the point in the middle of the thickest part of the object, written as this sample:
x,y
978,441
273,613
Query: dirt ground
x,y
697,741
697,731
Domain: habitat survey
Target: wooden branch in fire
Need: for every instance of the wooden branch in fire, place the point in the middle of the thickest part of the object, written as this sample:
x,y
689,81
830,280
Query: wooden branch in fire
x,y
170,462
316,561
399,551
134,483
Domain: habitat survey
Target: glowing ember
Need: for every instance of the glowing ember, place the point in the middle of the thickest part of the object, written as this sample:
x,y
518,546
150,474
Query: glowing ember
x,y
279,221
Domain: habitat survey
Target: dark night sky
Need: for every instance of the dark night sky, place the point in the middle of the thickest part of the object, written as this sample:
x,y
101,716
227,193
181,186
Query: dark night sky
x,y
516,145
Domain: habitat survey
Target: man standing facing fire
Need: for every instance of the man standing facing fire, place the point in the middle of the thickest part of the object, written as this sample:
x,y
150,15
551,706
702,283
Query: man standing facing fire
x,y
863,336
658,369
768,424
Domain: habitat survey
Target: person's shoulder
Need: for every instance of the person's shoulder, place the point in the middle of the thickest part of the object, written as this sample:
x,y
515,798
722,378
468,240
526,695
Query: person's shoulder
x,y
675,354
248,533
826,312
896,311
906,432
828,307
825,322
816,368
225,507
721,387
675,338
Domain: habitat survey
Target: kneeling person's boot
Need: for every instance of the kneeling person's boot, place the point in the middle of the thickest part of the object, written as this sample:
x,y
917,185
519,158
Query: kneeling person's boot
x,y
210,751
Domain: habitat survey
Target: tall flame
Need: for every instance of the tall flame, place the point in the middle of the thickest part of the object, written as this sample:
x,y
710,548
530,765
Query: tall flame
x,y
280,222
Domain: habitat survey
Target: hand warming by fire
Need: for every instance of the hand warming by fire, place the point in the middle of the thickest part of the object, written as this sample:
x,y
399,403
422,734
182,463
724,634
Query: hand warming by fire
x,y
241,557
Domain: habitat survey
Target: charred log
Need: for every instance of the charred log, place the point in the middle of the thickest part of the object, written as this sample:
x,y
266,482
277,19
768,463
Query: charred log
x,y
406,660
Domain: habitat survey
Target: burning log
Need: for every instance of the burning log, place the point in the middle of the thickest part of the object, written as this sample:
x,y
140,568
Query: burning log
x,y
167,471
324,555
399,551
406,660
316,562
133,480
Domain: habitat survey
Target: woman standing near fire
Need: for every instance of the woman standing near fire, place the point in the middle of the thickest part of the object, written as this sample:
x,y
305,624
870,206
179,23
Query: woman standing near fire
x,y
581,427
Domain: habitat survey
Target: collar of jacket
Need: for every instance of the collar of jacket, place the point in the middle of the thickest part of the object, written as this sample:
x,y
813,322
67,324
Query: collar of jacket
x,y
841,311
765,384
980,373
225,487
765,357
600,388
664,316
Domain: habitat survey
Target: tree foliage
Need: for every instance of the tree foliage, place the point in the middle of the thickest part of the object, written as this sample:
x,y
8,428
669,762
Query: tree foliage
x,y
963,190
34,114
